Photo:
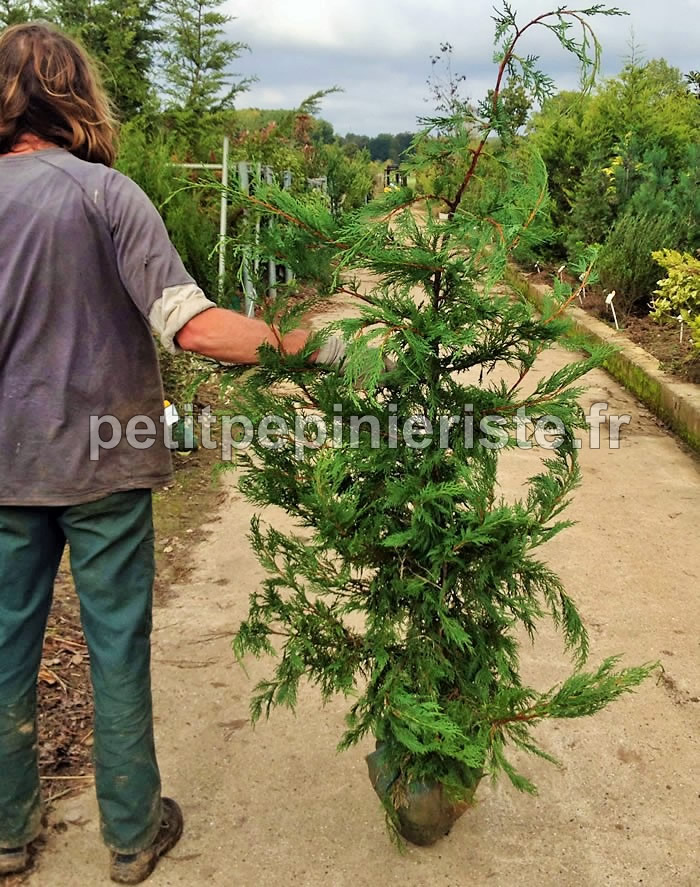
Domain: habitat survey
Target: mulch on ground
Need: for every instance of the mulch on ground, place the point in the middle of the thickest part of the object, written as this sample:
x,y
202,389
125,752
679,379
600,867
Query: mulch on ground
x,y
662,340
65,698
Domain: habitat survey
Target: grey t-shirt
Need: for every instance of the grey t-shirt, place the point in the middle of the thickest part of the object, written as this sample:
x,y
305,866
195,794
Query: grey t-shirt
x,y
85,263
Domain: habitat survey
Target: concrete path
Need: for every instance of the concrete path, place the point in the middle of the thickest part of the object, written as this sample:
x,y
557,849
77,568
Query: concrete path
x,y
277,806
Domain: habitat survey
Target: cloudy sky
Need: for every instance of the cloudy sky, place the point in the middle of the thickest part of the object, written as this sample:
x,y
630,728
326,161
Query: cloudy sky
x,y
378,50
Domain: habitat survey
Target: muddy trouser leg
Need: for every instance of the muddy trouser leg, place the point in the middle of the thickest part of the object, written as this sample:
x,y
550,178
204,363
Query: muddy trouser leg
x,y
31,544
112,557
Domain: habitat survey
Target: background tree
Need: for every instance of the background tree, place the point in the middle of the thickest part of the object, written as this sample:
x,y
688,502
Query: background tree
x,y
622,168
14,12
122,36
556,133
196,57
381,147
402,144
361,141
514,106
323,133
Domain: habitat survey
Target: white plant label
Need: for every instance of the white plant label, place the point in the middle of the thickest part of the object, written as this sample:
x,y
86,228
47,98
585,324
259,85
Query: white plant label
x,y
171,416
610,302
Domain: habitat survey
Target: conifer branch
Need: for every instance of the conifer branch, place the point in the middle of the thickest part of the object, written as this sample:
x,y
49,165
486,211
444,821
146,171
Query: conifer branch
x,y
505,64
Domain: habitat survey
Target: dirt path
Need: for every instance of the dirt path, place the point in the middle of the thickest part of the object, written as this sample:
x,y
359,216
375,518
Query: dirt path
x,y
278,806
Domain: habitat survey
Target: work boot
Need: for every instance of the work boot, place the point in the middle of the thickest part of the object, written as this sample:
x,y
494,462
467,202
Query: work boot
x,y
14,860
132,868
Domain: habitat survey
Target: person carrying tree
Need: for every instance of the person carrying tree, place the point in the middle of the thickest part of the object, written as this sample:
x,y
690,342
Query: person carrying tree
x,y
87,272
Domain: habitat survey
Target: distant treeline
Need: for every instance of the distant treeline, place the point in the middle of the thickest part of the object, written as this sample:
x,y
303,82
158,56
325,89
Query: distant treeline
x,y
382,148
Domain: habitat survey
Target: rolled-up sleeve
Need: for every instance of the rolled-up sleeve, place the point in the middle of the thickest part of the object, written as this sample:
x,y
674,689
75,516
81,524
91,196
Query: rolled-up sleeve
x,y
150,268
176,307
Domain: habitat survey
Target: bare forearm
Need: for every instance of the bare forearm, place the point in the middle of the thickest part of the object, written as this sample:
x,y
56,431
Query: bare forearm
x,y
233,338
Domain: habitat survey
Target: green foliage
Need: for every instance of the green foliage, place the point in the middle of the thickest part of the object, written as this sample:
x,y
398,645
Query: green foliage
x,y
14,12
323,133
626,263
556,133
617,158
656,207
412,582
651,102
383,147
441,165
312,104
123,35
685,198
349,177
196,58
120,36
513,108
190,214
592,210
678,295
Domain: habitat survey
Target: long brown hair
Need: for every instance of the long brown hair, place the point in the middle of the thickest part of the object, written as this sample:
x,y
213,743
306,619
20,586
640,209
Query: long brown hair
x,y
50,88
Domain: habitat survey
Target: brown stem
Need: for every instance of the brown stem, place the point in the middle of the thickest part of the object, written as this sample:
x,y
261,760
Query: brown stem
x,y
507,58
532,715
531,402
273,210
349,292
573,296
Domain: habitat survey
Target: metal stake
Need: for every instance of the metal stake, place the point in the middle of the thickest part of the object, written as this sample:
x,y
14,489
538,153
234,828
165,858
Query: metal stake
x,y
248,289
223,219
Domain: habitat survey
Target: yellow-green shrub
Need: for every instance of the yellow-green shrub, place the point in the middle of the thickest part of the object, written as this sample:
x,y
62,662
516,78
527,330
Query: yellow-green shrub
x,y
678,294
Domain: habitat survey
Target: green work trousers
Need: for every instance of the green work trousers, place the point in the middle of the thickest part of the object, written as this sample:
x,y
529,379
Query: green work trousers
x,y
112,559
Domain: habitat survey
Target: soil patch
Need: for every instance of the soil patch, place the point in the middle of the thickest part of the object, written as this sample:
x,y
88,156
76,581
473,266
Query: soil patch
x,y
662,340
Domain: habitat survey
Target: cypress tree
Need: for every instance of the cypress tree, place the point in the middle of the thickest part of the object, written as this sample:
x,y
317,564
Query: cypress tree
x,y
412,583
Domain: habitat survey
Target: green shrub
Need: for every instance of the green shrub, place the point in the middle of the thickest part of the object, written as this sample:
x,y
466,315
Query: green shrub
x,y
635,141
678,294
592,213
190,215
182,375
626,263
349,177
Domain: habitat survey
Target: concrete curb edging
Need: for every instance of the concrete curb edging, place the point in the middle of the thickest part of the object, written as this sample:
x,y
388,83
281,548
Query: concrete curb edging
x,y
676,403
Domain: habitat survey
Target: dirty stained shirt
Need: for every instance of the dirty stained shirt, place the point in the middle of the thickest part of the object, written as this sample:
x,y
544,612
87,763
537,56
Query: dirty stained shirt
x,y
86,271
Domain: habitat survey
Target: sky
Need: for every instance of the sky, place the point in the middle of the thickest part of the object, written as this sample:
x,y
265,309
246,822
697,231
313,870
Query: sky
x,y
379,51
